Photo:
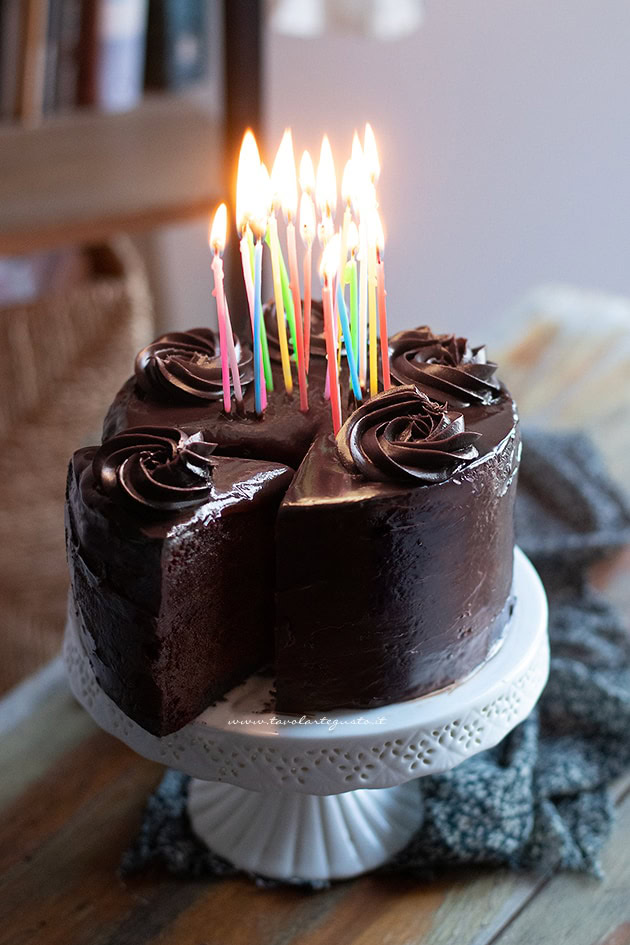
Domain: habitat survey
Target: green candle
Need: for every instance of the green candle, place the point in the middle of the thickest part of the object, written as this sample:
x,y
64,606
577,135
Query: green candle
x,y
351,277
287,297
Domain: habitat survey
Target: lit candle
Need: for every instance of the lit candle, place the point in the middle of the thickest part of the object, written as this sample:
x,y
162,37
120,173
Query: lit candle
x,y
373,169
274,246
216,240
351,277
330,259
326,198
307,229
259,223
359,165
253,200
382,309
246,198
284,166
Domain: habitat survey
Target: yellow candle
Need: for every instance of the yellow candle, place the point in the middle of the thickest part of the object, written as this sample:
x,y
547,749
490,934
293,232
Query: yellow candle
x,y
277,291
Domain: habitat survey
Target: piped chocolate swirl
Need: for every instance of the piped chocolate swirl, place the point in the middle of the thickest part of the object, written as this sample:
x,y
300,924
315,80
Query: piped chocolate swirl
x,y
444,366
185,367
401,435
155,469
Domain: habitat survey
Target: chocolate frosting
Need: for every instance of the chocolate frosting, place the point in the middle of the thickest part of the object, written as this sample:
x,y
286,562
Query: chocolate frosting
x,y
446,364
185,366
400,434
155,469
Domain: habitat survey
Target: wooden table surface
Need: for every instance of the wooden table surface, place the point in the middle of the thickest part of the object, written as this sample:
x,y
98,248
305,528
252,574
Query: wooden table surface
x,y
72,799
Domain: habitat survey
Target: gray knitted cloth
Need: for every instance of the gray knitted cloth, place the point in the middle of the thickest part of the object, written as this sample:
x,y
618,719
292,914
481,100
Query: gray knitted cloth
x,y
539,799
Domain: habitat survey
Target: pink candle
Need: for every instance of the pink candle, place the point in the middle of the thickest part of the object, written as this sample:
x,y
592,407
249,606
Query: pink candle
x,y
217,269
297,308
308,264
236,378
329,329
307,229
382,320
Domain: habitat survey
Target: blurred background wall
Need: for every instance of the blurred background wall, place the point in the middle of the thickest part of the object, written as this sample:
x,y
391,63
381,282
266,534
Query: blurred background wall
x,y
504,131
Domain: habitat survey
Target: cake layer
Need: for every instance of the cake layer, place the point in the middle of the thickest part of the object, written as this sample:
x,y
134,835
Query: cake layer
x,y
401,588
158,581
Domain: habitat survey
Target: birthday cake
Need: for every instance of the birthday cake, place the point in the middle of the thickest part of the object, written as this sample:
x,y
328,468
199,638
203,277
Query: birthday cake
x,y
362,569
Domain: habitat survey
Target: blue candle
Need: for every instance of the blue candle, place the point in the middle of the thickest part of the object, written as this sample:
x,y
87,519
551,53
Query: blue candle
x,y
345,327
257,324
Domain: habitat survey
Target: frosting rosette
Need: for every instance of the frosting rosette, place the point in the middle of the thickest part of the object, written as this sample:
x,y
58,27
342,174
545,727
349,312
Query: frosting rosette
x,y
402,435
156,469
444,364
185,366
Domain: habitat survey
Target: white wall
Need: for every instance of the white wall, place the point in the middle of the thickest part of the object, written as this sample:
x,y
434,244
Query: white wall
x,y
504,131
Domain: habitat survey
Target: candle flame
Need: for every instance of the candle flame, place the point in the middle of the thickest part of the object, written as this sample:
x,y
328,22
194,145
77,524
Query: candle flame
x,y
307,219
330,258
357,151
307,174
261,209
247,180
284,179
353,237
325,230
218,230
326,182
371,154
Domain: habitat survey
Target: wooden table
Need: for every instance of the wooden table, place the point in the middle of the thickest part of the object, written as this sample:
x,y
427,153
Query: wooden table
x,y
72,798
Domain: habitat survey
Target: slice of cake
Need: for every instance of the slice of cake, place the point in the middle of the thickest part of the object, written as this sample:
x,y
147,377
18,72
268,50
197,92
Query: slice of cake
x,y
394,553
160,534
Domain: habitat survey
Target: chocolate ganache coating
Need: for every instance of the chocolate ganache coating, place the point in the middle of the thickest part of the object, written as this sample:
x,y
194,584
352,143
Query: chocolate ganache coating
x,y
155,469
185,367
444,366
402,435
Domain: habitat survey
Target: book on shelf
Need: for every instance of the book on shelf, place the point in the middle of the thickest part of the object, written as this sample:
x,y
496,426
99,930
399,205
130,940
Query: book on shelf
x,y
177,44
112,51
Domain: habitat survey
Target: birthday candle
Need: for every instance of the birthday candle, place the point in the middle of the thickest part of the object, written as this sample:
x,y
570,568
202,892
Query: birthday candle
x,y
351,277
277,291
326,197
246,200
329,263
253,200
343,318
307,230
217,245
284,184
382,310
258,372
373,168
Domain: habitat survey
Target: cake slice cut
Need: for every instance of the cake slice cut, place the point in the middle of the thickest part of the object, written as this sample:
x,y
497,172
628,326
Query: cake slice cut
x,y
172,569
394,554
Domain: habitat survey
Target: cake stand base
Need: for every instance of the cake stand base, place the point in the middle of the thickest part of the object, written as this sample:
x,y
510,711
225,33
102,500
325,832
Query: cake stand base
x,y
331,796
305,836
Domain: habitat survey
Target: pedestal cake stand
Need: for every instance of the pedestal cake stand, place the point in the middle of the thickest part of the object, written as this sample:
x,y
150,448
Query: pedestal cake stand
x,y
336,795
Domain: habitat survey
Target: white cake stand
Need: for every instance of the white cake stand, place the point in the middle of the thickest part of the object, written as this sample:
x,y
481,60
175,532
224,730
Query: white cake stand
x,y
290,797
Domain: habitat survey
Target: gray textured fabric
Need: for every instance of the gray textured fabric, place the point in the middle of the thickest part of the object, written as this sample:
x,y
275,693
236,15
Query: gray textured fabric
x,y
539,799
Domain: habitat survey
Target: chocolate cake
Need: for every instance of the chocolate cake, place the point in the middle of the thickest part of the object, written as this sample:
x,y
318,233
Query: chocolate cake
x,y
392,543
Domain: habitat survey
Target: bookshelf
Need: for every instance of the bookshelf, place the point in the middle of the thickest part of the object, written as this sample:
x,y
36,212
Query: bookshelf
x,y
89,175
